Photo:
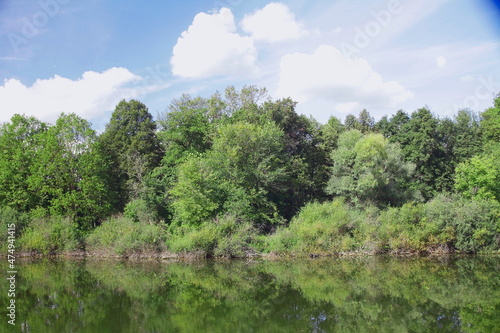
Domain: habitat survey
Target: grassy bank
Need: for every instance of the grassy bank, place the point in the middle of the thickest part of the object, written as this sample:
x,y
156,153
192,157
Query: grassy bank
x,y
446,224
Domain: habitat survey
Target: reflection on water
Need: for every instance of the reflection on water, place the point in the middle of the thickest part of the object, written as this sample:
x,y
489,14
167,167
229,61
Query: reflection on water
x,y
378,294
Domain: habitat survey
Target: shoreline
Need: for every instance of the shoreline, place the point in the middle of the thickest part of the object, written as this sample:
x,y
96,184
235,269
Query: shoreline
x,y
165,256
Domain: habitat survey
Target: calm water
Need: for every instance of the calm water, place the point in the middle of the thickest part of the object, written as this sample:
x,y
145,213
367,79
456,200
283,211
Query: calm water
x,y
329,295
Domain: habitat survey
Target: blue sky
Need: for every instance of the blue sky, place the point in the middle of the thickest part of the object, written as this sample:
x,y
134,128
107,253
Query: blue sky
x,y
334,57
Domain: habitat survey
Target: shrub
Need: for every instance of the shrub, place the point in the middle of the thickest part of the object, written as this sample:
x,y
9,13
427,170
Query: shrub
x,y
10,216
403,228
319,228
448,222
123,236
228,236
51,235
139,211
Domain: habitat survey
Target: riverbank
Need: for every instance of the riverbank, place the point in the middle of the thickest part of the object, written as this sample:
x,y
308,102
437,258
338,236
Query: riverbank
x,y
445,225
160,256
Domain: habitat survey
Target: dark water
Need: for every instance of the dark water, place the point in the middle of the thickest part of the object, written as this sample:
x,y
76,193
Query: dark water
x,y
329,295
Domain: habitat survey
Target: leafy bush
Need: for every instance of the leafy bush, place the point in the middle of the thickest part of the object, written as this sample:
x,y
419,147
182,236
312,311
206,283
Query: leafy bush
x,y
124,236
227,236
319,228
446,223
10,216
51,235
139,211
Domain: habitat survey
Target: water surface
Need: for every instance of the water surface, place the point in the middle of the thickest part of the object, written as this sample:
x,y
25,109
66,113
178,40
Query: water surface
x,y
379,294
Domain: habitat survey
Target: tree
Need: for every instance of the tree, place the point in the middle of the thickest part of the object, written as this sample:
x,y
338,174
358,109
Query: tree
x,y
131,142
479,177
20,146
366,122
70,174
351,123
330,133
186,128
490,122
420,142
240,175
390,128
368,168
305,156
467,137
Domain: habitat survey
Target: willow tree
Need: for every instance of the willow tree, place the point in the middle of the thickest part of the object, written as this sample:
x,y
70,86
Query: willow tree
x,y
368,168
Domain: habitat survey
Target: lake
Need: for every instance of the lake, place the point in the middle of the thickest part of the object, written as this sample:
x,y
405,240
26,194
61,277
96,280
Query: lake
x,y
368,294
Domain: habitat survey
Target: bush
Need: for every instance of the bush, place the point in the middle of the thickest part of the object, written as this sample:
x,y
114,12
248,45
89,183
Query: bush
x,y
227,236
10,216
123,236
139,211
50,236
403,228
446,223
319,228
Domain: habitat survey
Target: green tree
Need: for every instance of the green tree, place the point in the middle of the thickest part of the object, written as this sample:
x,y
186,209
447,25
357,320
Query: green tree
x,y
490,122
131,142
305,156
240,175
20,146
419,138
366,121
479,177
467,137
330,133
351,123
368,168
70,174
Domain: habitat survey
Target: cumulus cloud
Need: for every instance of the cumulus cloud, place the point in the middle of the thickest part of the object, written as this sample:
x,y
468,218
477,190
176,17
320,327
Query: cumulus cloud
x,y
273,23
90,96
212,47
328,74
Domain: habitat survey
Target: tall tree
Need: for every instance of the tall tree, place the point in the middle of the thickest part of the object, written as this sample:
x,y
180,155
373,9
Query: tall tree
x,y
368,168
240,175
130,140
420,140
392,127
71,172
20,146
366,121
479,177
467,138
490,122
306,158
330,133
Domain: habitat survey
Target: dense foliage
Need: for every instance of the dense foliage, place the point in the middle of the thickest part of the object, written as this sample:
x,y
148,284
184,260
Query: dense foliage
x,y
240,173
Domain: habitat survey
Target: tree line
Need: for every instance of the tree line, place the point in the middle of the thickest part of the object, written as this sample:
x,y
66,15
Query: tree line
x,y
243,167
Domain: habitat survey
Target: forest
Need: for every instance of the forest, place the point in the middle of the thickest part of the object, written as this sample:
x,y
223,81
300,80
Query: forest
x,y
239,174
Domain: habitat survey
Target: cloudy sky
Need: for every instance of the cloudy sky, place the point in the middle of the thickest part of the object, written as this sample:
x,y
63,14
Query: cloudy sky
x,y
334,57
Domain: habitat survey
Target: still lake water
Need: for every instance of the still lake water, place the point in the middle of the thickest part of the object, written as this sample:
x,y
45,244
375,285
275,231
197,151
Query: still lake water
x,y
374,294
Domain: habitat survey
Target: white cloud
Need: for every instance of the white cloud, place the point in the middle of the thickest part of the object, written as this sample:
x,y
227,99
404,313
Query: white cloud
x,y
328,74
441,61
212,47
90,96
274,23
346,107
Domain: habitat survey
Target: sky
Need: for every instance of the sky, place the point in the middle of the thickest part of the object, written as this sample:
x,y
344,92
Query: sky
x,y
334,57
